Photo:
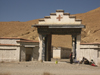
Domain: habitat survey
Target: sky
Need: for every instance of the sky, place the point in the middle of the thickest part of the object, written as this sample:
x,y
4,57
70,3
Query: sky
x,y
25,10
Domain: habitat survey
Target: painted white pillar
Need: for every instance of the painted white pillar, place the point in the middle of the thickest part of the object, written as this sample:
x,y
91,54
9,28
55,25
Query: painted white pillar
x,y
40,47
78,52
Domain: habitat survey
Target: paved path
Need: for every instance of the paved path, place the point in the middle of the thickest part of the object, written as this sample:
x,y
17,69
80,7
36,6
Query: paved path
x,y
47,68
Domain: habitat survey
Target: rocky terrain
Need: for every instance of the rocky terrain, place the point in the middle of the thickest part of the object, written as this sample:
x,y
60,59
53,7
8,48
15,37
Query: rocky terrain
x,y
24,30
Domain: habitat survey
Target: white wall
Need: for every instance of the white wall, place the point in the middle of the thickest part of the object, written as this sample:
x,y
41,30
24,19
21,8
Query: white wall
x,y
9,41
78,53
61,53
90,52
16,53
9,53
57,53
64,20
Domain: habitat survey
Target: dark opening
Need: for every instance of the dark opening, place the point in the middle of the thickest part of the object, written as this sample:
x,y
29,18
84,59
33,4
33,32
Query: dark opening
x,y
29,54
28,57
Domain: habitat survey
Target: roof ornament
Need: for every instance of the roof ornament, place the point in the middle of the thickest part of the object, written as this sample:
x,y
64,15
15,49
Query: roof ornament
x,y
59,17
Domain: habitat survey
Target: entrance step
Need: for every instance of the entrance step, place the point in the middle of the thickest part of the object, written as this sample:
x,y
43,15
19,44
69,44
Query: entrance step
x,y
61,60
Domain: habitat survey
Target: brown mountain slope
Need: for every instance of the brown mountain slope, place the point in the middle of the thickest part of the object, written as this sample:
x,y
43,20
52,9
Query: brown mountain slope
x,y
18,29
23,29
92,21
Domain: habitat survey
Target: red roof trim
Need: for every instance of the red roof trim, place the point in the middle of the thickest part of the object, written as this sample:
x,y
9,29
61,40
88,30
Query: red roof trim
x,y
90,43
11,38
28,41
8,45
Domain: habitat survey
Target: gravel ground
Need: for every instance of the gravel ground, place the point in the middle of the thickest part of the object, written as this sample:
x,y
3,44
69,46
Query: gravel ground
x,y
47,68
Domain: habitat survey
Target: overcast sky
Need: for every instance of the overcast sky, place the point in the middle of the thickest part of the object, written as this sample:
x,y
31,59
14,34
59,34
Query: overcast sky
x,y
25,10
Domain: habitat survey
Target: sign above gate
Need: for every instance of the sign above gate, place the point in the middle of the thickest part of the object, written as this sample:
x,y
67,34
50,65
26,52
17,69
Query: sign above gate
x,y
60,18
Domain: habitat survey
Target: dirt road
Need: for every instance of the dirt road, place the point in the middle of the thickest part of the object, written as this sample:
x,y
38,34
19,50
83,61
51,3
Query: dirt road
x,y
48,68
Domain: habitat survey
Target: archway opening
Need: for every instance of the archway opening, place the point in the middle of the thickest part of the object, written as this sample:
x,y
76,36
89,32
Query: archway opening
x,y
61,47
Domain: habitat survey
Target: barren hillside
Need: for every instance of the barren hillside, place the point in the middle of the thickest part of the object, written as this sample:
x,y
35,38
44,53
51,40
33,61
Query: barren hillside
x,y
92,21
23,29
18,29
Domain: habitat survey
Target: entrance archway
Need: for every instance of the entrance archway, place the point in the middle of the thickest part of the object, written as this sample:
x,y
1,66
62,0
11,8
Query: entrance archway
x,y
58,23
61,48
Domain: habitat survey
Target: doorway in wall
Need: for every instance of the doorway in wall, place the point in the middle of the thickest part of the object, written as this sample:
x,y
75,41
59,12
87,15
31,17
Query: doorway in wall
x,y
29,54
